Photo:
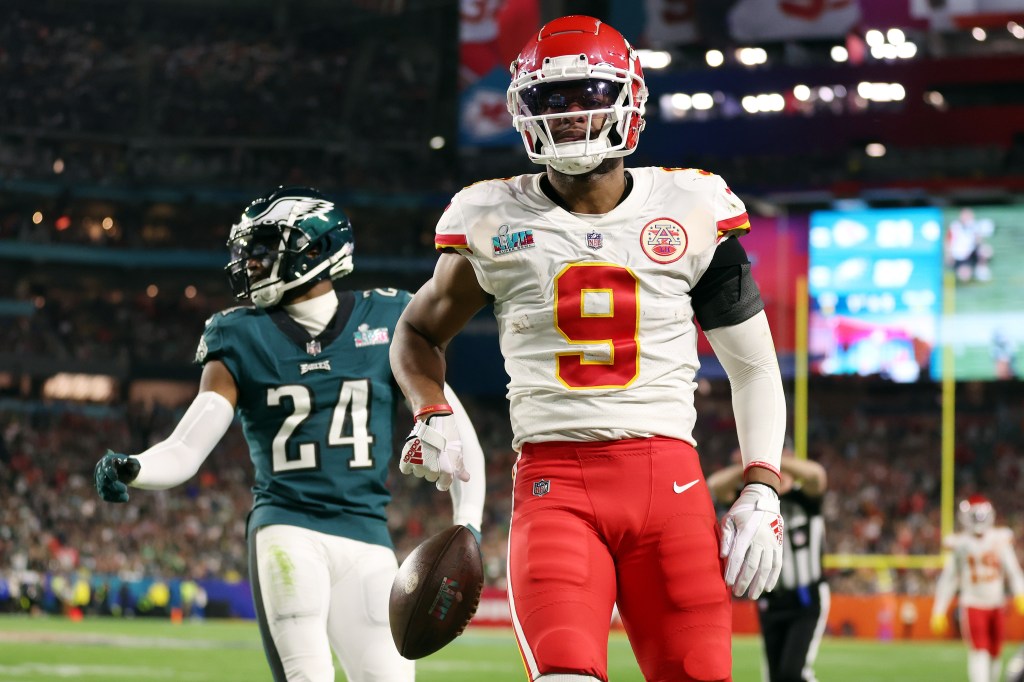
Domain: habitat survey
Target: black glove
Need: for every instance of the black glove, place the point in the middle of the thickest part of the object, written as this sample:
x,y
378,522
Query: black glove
x,y
113,474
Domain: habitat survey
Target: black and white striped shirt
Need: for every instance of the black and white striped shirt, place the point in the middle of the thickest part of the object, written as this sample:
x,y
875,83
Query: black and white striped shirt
x,y
804,543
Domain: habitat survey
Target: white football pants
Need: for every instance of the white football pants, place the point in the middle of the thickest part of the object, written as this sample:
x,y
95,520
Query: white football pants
x,y
321,592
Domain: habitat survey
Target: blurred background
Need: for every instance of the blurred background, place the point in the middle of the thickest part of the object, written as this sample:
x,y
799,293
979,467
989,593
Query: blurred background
x,y
879,145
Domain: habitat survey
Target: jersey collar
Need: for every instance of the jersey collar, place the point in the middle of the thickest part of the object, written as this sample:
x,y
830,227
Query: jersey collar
x,y
298,334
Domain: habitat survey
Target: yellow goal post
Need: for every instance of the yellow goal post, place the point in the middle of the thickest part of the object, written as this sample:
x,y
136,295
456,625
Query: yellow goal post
x,y
801,306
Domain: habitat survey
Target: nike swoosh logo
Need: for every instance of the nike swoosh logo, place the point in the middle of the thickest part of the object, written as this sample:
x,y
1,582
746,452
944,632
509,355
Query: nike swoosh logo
x,y
683,488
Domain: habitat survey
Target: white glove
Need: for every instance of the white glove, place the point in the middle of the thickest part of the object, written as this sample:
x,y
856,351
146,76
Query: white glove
x,y
752,539
433,451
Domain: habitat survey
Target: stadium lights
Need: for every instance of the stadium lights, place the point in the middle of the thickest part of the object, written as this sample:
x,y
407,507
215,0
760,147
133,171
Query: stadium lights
x,y
702,101
801,92
840,53
654,59
1016,30
892,44
875,150
766,103
37,217
935,99
714,58
675,106
751,56
69,386
152,290
681,101
437,142
190,292
107,223
906,50
58,166
978,33
881,92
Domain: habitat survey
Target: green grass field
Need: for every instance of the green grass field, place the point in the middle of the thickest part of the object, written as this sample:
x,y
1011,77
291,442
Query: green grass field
x,y
35,649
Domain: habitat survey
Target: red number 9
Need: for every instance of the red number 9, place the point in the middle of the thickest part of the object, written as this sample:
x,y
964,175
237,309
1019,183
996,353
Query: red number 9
x,y
596,303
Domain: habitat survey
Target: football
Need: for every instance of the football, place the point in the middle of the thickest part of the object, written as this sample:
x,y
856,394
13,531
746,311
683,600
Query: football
x,y
436,592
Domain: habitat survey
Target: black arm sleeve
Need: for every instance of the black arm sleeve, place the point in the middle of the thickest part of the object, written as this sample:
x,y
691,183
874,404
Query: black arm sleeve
x,y
726,294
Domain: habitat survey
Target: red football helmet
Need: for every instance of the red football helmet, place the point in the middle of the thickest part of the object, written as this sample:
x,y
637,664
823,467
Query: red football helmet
x,y
977,514
581,59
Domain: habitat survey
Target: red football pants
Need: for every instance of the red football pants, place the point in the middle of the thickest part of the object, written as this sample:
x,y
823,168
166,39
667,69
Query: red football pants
x,y
983,629
594,524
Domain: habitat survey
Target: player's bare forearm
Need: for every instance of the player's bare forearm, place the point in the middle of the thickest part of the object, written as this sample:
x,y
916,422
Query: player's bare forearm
x,y
438,311
756,474
418,365
724,482
812,474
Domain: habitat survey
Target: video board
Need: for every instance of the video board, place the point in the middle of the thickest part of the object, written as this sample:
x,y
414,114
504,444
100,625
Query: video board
x,y
985,331
875,287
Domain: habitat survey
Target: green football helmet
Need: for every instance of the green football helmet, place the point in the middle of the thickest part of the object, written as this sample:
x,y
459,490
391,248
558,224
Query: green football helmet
x,y
297,235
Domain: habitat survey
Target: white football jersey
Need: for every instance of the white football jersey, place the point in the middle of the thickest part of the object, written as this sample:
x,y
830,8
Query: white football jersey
x,y
985,567
594,314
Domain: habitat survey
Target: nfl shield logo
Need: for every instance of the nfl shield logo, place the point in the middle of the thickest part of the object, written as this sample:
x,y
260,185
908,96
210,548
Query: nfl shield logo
x,y
541,487
595,240
313,347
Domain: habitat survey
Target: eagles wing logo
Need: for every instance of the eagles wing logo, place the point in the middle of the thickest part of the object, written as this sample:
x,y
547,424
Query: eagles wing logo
x,y
300,209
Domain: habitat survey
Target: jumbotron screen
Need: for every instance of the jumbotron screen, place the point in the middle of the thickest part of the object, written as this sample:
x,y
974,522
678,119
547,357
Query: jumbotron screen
x,y
875,286
877,297
983,247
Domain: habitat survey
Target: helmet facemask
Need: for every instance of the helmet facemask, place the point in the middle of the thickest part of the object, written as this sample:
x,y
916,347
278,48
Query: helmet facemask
x,y
616,94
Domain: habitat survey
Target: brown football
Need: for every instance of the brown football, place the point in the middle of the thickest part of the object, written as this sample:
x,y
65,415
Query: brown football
x,y
436,592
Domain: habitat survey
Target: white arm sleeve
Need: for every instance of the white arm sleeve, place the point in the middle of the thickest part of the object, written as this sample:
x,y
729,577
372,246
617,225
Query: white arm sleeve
x,y
468,497
747,353
176,459
946,586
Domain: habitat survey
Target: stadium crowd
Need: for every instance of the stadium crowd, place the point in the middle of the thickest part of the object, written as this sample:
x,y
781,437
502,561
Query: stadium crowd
x,y
196,102
883,464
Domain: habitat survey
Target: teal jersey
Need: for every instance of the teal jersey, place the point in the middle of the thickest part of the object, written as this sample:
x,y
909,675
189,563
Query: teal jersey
x,y
317,412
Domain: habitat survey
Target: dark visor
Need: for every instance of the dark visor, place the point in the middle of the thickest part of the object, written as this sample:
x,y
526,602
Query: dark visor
x,y
546,98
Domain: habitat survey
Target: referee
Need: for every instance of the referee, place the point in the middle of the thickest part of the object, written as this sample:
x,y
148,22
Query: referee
x,y
793,615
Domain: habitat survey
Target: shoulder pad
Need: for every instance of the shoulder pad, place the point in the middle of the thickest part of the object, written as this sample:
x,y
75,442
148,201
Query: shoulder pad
x,y
387,294
228,311
683,176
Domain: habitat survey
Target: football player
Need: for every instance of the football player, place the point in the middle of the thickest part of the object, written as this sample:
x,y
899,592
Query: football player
x,y
307,370
598,275
980,563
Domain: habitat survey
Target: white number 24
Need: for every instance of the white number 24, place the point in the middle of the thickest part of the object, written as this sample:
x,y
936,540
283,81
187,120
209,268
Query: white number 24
x,y
353,399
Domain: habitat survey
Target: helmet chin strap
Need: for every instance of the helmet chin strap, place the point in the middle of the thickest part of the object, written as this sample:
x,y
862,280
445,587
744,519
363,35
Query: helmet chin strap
x,y
574,161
